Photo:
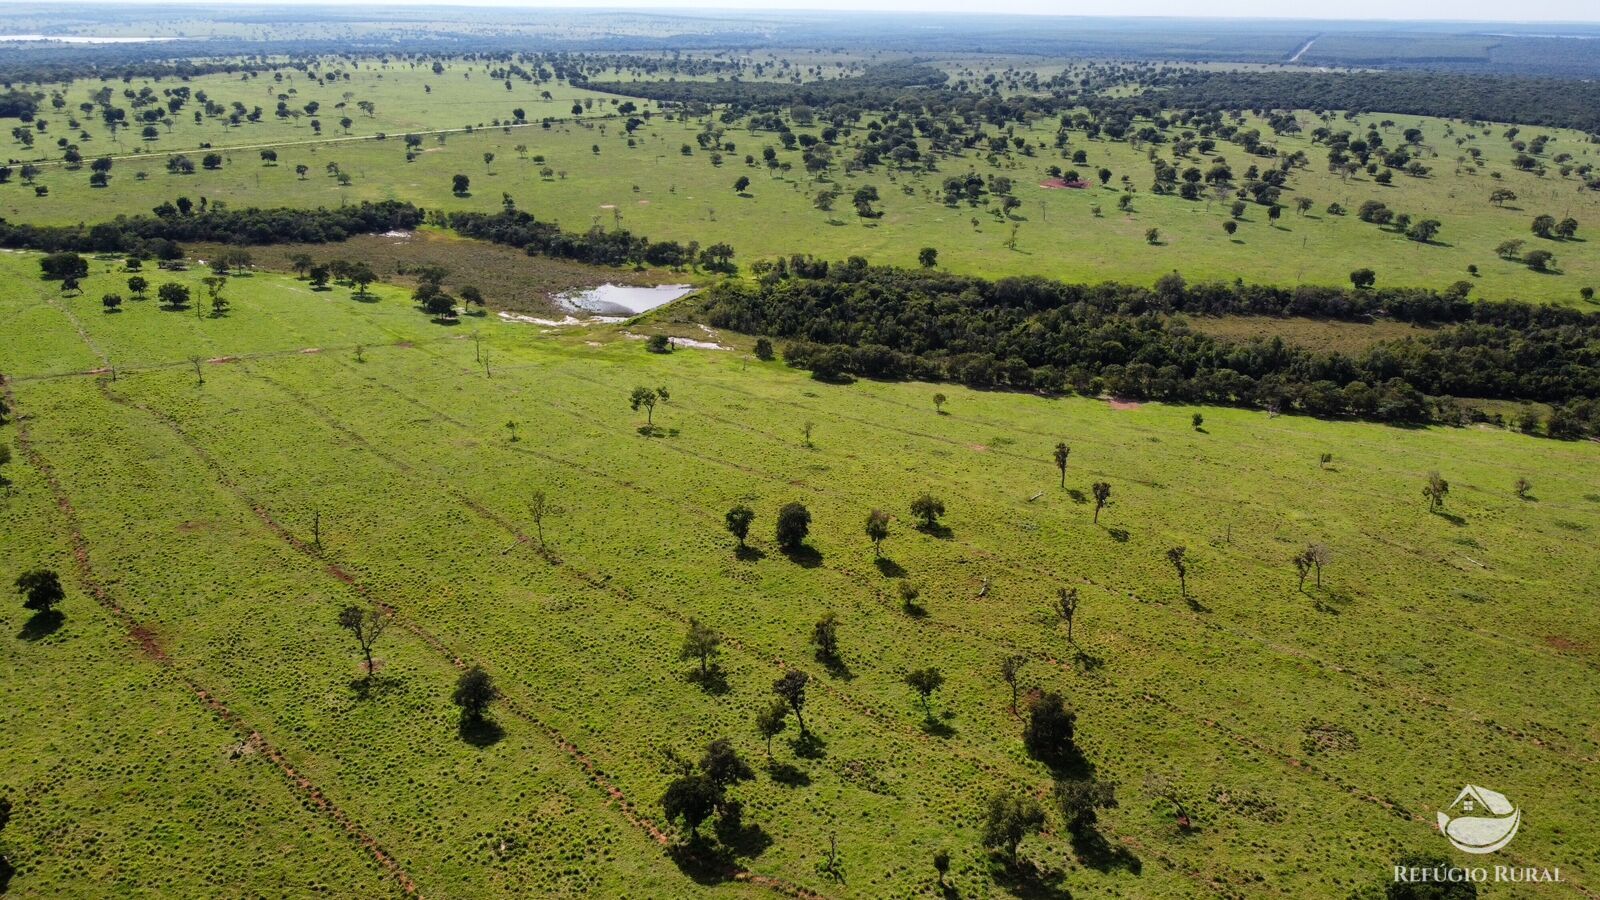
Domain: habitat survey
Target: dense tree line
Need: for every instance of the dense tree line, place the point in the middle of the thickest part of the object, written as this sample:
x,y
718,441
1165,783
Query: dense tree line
x,y
597,246
1557,103
1037,334
158,235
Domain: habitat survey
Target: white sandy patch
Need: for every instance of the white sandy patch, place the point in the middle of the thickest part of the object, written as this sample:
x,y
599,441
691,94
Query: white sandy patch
x,y
680,342
565,322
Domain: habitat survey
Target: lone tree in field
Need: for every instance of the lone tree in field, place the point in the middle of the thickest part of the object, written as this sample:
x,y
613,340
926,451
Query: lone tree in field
x,y
941,864
794,523
366,626
1175,555
1067,606
1435,489
1050,734
739,184
691,798
1010,819
173,295
1011,673
1325,460
1363,278
1061,454
738,522
700,643
939,401
925,682
539,506
1523,487
647,398
1302,567
474,692
791,689
1313,558
40,589
877,530
460,185
1102,496
771,720
111,301
928,508
1198,421
825,637
928,257
1081,799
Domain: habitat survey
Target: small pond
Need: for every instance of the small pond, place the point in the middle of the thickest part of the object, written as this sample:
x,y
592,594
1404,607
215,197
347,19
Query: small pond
x,y
623,300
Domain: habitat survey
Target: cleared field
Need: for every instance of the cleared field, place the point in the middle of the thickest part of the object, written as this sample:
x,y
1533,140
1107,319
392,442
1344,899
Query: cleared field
x,y
1274,717
601,176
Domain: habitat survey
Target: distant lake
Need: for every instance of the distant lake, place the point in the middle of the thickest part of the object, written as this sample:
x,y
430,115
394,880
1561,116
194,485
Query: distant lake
x,y
624,300
76,39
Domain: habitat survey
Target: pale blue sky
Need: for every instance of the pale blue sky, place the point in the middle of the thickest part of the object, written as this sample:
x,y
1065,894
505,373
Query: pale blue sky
x,y
1585,11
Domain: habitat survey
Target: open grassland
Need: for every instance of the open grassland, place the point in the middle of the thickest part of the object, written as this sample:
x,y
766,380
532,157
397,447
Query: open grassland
x,y
591,172
1440,650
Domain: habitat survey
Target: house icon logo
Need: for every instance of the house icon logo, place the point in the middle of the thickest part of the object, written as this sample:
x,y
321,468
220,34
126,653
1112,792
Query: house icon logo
x,y
1483,821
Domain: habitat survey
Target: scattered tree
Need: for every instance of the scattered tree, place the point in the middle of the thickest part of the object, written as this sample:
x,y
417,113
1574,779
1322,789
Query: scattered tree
x,y
925,682
700,643
1011,673
1061,454
1435,489
771,720
738,521
1175,555
1010,819
474,692
1102,496
40,589
928,508
366,626
1067,606
877,530
794,523
791,689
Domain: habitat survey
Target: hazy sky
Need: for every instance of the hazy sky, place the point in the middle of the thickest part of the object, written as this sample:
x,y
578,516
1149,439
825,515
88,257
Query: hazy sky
x,y
1587,11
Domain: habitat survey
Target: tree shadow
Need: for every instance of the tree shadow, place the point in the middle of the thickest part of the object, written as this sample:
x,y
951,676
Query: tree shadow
x,y
836,666
1120,535
1195,605
1450,517
809,746
749,554
939,727
1077,496
805,556
1085,661
41,625
480,732
655,431
888,568
373,687
713,680
1028,880
1094,851
787,774
702,861
915,610
937,529
741,839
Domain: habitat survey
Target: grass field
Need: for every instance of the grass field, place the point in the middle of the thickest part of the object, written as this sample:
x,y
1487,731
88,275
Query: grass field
x,y
651,187
197,720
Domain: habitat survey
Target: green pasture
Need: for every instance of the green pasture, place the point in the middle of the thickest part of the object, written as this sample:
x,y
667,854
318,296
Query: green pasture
x,y
596,179
1310,735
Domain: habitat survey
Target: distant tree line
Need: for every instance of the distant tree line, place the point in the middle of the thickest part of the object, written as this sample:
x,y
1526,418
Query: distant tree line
x,y
851,319
158,235
876,88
